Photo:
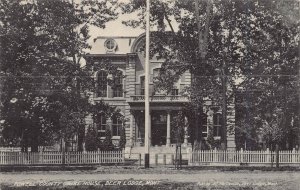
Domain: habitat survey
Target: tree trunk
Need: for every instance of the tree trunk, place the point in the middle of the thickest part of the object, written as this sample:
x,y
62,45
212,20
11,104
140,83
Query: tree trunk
x,y
34,147
298,123
34,143
63,149
34,136
277,155
81,135
198,130
224,109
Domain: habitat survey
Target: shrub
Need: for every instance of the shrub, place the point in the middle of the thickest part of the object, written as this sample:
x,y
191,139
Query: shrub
x,y
122,141
107,144
91,141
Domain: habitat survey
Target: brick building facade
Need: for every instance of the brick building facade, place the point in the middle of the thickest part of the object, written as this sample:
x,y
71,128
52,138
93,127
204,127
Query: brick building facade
x,y
125,53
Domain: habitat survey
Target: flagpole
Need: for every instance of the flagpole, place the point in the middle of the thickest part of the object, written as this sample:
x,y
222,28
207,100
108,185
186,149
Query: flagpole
x,y
147,80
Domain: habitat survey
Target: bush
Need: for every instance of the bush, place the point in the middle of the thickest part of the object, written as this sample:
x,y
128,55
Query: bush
x,y
91,140
107,144
122,141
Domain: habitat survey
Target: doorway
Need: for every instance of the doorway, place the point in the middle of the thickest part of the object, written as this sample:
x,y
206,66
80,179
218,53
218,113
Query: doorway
x,y
158,128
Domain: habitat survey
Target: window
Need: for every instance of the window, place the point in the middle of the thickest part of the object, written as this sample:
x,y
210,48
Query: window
x,y
156,73
102,84
174,91
155,76
101,126
116,126
142,85
110,45
217,124
204,125
118,85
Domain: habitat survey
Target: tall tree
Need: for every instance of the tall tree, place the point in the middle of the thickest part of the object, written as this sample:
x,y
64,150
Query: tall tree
x,y
252,46
42,43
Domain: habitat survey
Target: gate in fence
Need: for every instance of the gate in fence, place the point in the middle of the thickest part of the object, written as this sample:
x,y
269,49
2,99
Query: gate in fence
x,y
53,158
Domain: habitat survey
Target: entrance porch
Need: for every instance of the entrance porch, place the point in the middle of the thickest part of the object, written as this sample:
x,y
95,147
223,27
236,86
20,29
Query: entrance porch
x,y
162,128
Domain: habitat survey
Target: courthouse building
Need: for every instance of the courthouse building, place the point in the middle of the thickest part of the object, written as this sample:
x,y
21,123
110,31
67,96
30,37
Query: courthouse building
x,y
125,53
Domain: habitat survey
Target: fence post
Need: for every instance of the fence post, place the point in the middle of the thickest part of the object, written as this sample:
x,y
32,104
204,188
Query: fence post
x,y
215,155
156,159
63,152
165,159
268,156
140,159
190,155
123,155
277,156
294,155
242,155
172,159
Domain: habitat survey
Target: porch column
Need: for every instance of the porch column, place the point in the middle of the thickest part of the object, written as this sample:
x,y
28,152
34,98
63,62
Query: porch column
x,y
168,128
109,123
185,131
131,129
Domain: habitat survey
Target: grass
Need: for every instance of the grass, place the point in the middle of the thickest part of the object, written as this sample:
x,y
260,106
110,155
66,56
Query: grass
x,y
136,169
45,168
161,186
237,168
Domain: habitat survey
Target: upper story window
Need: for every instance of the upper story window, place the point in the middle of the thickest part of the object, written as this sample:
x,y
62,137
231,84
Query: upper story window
x,y
116,126
156,73
102,84
174,91
118,85
110,45
217,123
101,126
142,85
204,125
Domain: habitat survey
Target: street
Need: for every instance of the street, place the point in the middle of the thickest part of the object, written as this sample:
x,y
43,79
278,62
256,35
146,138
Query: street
x,y
202,178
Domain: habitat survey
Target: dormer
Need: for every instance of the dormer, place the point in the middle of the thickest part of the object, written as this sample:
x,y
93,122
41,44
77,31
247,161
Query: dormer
x,y
112,45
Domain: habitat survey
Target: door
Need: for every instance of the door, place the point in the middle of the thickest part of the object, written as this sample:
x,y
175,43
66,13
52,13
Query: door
x,y
158,128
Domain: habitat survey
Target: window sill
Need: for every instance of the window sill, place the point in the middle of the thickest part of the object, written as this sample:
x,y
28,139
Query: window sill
x,y
215,137
110,99
115,137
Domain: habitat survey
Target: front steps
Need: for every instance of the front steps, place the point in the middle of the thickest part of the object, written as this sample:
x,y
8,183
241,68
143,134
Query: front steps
x,y
158,154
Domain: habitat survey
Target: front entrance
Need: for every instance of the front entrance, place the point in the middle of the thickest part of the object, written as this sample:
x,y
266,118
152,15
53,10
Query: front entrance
x,y
158,128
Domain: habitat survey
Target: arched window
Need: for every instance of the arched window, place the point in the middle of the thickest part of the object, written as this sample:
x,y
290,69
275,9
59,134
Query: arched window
x,y
118,84
204,125
102,84
142,79
116,126
156,73
217,124
175,90
101,125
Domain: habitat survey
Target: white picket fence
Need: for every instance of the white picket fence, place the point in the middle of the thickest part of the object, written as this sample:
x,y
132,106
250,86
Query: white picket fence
x,y
53,158
246,157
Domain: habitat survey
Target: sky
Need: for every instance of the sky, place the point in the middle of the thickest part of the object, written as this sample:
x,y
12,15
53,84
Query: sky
x,y
116,28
